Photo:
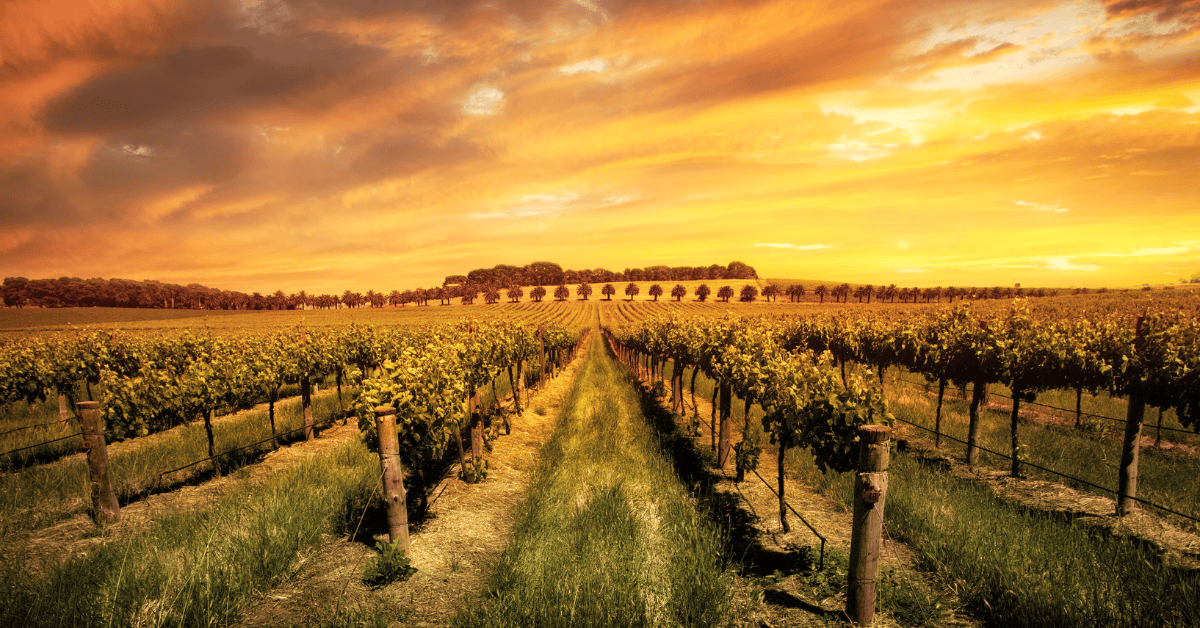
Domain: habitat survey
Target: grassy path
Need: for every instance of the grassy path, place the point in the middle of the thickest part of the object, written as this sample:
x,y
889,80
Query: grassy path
x,y
607,535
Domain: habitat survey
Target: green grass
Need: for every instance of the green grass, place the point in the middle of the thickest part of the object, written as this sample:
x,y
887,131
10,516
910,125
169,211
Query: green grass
x,y
1016,567
39,495
1163,478
607,535
196,569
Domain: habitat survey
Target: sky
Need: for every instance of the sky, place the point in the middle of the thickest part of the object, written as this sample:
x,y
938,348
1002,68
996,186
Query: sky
x,y
328,145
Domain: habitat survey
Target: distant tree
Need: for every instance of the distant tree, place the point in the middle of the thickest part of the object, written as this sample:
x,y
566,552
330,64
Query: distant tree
x,y
537,293
678,292
655,291
515,293
632,289
858,294
584,290
795,292
838,291
749,294
724,293
468,298
702,292
562,292
868,290
821,291
770,292
370,297
491,294
608,291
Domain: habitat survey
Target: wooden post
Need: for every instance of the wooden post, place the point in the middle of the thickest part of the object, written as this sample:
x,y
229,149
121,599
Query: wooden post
x,y
65,414
541,356
978,399
105,509
870,492
475,416
393,475
1127,472
725,443
306,390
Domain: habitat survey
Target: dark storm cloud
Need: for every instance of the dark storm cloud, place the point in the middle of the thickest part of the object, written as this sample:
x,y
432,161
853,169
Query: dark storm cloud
x,y
165,157
30,196
203,82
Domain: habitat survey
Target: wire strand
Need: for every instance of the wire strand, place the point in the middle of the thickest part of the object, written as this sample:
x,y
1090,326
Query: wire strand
x,y
1063,475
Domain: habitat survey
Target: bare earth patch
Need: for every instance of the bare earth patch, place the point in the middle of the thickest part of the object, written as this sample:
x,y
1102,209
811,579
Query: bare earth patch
x,y
453,550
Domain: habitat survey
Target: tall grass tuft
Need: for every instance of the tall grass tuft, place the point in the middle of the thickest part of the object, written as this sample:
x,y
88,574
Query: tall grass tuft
x,y
195,569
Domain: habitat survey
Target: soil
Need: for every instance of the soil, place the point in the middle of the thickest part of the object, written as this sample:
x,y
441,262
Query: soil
x,y
453,549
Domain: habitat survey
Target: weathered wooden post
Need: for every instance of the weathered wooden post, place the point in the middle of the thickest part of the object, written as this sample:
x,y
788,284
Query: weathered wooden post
x,y
870,491
1127,472
725,442
105,509
393,478
306,390
541,355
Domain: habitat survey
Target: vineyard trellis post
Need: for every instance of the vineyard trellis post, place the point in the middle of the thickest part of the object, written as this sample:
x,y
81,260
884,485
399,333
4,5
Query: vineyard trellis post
x,y
978,400
105,509
870,493
1127,473
541,355
393,475
306,394
725,441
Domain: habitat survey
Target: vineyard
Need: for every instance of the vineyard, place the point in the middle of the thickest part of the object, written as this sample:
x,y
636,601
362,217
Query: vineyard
x,y
1097,396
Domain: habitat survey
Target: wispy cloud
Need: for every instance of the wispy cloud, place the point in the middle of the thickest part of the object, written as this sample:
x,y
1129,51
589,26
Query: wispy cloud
x,y
1062,263
1042,208
798,247
483,101
553,204
591,65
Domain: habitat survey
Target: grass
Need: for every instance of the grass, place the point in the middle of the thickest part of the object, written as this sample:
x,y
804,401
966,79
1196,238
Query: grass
x,y
1016,567
39,495
1163,478
41,442
607,535
196,569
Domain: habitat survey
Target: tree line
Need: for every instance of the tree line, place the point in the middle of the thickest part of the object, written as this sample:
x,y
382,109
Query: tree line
x,y
489,282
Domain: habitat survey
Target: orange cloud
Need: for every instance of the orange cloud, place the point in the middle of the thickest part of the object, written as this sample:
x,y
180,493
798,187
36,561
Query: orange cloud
x,y
391,144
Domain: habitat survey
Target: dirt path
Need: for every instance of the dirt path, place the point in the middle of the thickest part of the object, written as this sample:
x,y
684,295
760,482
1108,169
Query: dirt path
x,y
452,550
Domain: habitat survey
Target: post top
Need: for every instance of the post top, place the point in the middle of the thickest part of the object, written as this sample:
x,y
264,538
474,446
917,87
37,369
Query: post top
x,y
384,410
88,405
874,433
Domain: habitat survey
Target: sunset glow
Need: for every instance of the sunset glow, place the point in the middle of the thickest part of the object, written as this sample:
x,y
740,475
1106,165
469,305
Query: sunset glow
x,y
327,145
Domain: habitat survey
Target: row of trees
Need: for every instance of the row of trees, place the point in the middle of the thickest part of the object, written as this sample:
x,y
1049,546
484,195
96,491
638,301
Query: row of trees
x,y
551,274
842,293
490,282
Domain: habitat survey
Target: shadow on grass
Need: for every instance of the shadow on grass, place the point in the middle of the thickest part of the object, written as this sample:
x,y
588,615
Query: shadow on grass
x,y
695,465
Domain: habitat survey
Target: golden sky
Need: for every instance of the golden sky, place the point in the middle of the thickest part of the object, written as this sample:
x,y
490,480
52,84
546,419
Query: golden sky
x,y
365,144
